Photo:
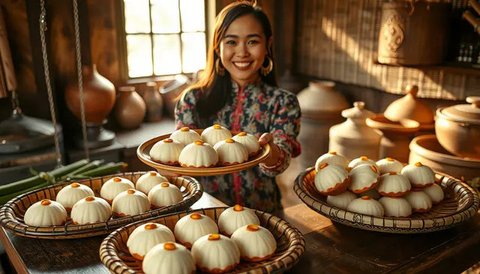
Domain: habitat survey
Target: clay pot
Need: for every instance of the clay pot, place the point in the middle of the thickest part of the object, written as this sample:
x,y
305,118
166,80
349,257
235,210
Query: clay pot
x,y
154,102
410,107
130,108
171,92
98,96
321,107
458,128
396,136
353,138
427,150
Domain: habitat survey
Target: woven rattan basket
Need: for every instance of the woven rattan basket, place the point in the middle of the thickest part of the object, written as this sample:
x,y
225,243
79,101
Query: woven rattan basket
x,y
290,244
11,214
460,204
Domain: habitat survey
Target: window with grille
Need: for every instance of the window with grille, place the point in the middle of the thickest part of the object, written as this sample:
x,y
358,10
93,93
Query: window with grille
x,y
164,37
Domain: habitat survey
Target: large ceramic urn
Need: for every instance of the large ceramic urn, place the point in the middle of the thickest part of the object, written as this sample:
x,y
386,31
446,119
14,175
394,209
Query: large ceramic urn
x,y
321,107
413,32
354,138
98,96
98,100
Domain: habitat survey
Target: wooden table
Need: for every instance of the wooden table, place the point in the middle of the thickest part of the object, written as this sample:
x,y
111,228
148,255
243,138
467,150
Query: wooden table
x,y
330,248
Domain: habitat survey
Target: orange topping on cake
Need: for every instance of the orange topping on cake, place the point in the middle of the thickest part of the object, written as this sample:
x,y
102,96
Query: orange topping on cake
x,y
150,226
214,237
90,198
196,216
229,140
243,133
418,164
237,207
365,197
75,185
169,246
198,142
333,152
185,129
168,140
392,173
374,169
45,202
324,165
131,191
217,126
252,227
152,173
165,184
364,158
389,159
117,179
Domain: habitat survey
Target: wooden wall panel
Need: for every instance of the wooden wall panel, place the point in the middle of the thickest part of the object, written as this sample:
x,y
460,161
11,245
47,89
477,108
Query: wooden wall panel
x,y
337,40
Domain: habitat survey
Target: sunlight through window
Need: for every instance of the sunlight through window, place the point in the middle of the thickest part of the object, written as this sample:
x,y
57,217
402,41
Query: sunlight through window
x,y
165,37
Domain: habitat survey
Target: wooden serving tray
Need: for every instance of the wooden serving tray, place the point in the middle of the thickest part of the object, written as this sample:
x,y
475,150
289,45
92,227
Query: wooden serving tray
x,y
143,153
460,204
11,214
290,244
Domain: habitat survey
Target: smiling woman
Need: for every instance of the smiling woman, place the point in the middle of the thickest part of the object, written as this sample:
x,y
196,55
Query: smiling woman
x,y
164,37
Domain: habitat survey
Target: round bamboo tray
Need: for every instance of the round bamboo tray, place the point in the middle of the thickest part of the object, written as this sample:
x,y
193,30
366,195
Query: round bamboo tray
x,y
143,153
290,244
460,204
11,214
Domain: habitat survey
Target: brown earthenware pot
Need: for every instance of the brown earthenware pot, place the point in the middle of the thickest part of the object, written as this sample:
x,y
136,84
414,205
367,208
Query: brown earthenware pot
x,y
458,128
98,96
130,108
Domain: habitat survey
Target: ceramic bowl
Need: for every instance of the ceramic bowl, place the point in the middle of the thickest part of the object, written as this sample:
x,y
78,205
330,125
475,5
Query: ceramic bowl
x,y
458,128
427,150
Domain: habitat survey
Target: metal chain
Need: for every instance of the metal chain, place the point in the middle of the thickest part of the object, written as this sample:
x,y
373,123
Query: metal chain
x,y
80,78
43,29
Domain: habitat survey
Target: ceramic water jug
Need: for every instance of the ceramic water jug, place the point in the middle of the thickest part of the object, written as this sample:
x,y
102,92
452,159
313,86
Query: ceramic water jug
x,y
353,138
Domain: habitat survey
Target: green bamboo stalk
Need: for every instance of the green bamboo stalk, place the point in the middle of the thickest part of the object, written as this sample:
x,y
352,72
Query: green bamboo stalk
x,y
106,169
21,184
40,178
8,197
92,165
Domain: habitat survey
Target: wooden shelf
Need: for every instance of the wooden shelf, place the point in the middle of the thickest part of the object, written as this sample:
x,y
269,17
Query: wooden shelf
x,y
457,68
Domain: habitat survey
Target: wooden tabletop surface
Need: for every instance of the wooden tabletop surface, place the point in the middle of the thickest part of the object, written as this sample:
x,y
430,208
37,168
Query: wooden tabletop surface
x,y
330,248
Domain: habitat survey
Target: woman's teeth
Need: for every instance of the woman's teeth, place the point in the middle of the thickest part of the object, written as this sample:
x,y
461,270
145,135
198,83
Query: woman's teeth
x,y
242,64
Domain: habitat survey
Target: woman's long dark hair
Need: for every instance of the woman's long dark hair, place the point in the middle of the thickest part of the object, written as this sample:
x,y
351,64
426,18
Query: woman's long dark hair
x,y
216,89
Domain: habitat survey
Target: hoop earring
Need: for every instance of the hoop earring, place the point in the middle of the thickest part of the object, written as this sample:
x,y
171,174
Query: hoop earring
x,y
266,70
219,69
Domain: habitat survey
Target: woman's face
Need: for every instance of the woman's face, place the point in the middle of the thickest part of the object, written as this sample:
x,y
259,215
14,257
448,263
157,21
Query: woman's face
x,y
243,49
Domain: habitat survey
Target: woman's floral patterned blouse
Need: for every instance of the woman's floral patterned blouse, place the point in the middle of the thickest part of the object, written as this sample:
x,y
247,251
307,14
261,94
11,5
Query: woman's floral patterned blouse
x,y
256,109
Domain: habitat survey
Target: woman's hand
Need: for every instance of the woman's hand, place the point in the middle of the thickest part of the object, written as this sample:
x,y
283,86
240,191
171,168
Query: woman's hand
x,y
275,151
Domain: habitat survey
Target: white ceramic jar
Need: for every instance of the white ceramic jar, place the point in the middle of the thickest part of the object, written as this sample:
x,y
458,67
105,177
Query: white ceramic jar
x,y
353,138
321,106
